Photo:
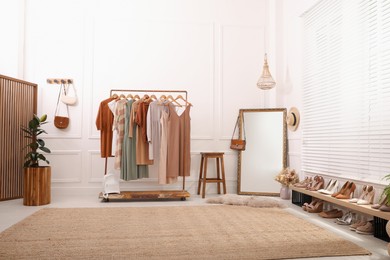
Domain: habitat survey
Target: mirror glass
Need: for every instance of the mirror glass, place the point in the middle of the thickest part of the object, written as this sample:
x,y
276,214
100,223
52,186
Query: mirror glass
x,y
266,151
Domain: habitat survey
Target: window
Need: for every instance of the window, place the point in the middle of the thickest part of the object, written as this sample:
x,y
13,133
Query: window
x,y
346,89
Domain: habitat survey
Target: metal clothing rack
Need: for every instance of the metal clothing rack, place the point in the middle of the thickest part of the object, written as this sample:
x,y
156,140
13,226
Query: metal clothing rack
x,y
152,194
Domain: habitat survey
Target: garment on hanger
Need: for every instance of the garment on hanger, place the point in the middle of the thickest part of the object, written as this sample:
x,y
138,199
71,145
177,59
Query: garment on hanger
x,y
178,156
119,124
163,126
112,106
142,141
129,168
153,133
163,150
104,121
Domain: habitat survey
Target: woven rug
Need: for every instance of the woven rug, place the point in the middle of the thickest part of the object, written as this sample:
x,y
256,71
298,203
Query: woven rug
x,y
199,232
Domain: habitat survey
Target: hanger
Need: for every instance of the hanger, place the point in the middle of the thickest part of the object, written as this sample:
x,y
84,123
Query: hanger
x,y
130,96
185,100
122,96
146,98
153,97
136,97
172,100
114,96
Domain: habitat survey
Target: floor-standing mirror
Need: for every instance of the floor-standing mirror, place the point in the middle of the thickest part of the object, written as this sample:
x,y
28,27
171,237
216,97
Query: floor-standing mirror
x,y
266,151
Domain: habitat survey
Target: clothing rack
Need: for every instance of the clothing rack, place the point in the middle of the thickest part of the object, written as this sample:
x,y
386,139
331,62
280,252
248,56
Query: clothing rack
x,y
152,194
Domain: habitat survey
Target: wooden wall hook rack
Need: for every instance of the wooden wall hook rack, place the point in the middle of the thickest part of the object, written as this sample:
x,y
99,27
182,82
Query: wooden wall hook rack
x,y
59,81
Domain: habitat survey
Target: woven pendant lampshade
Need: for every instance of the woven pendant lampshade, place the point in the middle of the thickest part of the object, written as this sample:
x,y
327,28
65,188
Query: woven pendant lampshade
x,y
266,81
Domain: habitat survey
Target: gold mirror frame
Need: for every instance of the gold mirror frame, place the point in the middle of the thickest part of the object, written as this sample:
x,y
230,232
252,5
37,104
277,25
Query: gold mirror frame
x,y
284,151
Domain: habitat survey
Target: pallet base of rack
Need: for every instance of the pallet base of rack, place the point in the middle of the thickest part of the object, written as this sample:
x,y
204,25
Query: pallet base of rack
x,y
145,195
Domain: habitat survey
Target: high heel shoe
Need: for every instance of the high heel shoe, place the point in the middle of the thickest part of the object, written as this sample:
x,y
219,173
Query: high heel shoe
x,y
347,219
331,188
304,183
313,183
341,190
347,192
380,203
311,204
318,185
327,186
364,192
368,198
317,208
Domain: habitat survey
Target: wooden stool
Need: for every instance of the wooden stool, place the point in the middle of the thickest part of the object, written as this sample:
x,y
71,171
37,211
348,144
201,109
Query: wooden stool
x,y
203,172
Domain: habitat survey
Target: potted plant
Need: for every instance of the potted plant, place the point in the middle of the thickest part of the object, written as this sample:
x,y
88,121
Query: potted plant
x,y
37,179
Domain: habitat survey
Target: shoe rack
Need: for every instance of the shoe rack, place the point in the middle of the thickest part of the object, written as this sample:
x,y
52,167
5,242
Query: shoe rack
x,y
301,196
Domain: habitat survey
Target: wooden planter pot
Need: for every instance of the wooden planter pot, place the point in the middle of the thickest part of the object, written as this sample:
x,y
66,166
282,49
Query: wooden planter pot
x,y
37,186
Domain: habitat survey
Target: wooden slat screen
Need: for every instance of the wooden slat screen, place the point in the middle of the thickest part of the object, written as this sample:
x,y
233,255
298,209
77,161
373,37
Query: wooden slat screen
x,y
18,103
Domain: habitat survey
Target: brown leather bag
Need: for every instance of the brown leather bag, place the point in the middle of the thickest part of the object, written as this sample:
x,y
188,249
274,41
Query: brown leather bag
x,y
61,122
238,144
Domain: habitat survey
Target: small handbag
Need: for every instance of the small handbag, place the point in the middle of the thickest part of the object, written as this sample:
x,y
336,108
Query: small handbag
x,y
238,144
66,98
61,122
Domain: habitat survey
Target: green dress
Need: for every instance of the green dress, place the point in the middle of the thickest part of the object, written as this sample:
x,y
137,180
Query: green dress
x,y
129,169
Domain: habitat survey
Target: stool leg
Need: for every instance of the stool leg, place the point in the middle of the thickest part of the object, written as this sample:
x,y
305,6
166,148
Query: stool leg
x,y
204,178
218,177
200,174
223,176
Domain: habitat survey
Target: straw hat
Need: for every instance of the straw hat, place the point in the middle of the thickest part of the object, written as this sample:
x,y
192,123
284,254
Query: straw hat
x,y
293,119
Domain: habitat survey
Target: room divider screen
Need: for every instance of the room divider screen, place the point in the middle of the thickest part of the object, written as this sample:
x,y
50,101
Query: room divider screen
x,y
18,103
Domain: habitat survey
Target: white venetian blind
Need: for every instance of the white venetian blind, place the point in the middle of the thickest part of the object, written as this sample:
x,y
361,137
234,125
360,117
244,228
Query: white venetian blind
x,y
346,89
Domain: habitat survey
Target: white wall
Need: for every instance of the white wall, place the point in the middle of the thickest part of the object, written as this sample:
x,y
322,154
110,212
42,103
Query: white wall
x,y
211,48
12,38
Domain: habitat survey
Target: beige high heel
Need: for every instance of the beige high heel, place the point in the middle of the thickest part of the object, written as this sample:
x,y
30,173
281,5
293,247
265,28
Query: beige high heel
x,y
368,198
364,193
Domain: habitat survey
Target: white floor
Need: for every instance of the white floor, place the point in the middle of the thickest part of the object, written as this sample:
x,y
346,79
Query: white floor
x,y
13,211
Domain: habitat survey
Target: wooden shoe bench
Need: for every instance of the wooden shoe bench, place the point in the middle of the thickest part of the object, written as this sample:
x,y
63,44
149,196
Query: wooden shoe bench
x,y
301,196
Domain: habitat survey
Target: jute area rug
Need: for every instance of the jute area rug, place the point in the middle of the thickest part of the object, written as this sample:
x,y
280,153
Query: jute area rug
x,y
199,232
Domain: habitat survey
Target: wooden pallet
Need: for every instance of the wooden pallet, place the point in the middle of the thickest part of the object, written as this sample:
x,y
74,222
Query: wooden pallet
x,y
145,195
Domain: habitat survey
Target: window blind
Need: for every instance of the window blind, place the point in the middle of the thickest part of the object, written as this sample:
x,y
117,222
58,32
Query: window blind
x,y
346,89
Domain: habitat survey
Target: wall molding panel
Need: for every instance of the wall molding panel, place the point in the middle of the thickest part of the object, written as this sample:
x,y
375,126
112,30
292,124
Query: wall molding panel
x,y
66,165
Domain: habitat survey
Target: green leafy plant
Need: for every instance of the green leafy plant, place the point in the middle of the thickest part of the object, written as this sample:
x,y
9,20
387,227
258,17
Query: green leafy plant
x,y
37,145
386,190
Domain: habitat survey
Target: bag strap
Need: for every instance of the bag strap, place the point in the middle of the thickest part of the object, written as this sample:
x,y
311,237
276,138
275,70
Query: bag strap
x,y
58,100
67,87
243,125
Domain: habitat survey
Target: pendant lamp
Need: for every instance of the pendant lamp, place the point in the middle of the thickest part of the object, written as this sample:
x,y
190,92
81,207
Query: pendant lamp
x,y
266,81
